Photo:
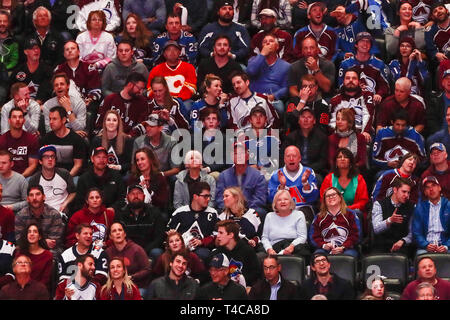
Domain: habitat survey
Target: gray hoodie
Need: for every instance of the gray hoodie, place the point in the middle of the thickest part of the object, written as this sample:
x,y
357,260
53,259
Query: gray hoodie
x,y
181,191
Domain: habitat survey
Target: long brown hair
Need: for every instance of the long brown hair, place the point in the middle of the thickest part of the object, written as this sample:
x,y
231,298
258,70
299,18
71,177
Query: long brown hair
x,y
143,35
323,205
100,14
121,136
151,156
168,100
166,256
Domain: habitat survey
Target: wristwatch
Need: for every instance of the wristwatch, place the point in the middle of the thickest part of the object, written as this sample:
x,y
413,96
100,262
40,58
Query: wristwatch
x,y
69,113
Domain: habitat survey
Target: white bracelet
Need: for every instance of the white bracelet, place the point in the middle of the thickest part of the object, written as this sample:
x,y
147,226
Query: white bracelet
x,y
302,101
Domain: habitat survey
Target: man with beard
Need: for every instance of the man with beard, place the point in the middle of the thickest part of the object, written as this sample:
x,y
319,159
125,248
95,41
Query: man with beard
x,y
374,73
74,105
326,37
361,101
438,36
324,282
129,103
220,64
439,106
144,223
81,286
66,260
47,219
402,100
238,34
268,19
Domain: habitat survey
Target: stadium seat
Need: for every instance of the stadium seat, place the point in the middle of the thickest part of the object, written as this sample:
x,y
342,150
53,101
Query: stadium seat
x,y
442,262
393,295
344,267
293,268
394,267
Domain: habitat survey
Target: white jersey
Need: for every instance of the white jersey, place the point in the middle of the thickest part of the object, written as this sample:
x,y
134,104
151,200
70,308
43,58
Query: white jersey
x,y
93,50
107,6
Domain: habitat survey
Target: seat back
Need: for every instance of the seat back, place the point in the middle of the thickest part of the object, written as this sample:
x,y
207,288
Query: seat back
x,y
344,267
394,267
292,268
442,263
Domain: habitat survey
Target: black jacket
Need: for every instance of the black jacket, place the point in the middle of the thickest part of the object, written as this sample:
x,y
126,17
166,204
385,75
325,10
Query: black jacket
x,y
435,114
261,290
164,288
231,291
340,289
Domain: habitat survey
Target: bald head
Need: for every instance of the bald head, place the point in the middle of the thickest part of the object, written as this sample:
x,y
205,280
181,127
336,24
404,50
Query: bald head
x,y
292,158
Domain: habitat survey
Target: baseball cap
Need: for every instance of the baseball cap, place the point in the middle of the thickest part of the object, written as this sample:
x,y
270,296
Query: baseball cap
x,y
317,3
30,43
98,150
363,35
446,73
306,109
258,109
436,4
135,186
224,3
46,148
432,179
267,12
219,261
316,255
153,120
171,43
438,145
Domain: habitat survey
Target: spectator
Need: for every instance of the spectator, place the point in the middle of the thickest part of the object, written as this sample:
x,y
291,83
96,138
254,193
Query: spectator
x,y
111,22
376,291
392,142
437,36
116,73
14,185
174,244
431,225
143,222
8,40
84,245
70,147
347,137
24,287
193,12
6,221
135,31
118,144
220,63
374,74
392,219
82,286
442,136
45,217
180,76
235,208
34,246
119,285
325,282
298,179
273,286
285,230
334,215
426,273
410,65
281,10
151,12
268,25
438,106
402,99
73,104
269,74
196,221
184,38
175,285
326,36
311,63
130,103
360,101
94,213
136,260
311,141
149,176
245,100
185,179
406,165
244,268
221,287
237,33
100,52
20,94
426,291
100,176
439,167
23,145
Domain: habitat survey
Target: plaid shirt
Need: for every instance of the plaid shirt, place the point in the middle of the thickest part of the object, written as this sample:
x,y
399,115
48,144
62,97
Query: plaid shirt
x,y
49,222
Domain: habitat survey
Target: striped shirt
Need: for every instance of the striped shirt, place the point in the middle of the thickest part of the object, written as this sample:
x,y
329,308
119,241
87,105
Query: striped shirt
x,y
434,223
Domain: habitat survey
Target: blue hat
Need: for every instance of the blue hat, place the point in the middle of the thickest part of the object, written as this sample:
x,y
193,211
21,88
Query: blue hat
x,y
46,148
439,146
219,261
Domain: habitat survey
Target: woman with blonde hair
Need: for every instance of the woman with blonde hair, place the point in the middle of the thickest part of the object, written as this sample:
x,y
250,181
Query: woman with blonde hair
x,y
193,173
336,229
119,285
113,139
235,208
284,231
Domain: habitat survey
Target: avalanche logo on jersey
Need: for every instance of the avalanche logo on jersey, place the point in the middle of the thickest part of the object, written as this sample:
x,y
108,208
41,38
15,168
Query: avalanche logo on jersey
x,y
296,195
99,231
195,231
370,83
395,153
112,156
335,233
421,12
323,51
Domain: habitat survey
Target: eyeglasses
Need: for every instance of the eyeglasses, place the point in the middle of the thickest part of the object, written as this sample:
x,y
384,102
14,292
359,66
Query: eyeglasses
x,y
270,268
319,261
206,196
49,156
22,263
331,195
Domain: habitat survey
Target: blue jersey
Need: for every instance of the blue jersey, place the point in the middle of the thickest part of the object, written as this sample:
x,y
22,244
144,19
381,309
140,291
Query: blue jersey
x,y
415,71
188,43
260,150
198,106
